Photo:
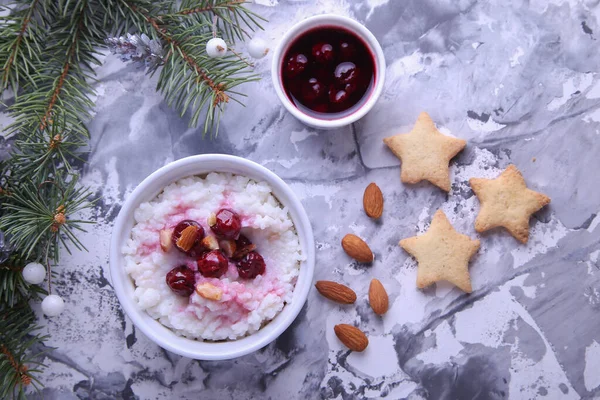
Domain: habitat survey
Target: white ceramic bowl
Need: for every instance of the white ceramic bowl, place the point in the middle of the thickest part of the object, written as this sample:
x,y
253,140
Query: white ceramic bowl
x,y
330,20
124,286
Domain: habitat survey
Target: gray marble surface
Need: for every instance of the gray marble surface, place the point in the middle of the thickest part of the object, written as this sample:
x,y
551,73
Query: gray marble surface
x,y
520,80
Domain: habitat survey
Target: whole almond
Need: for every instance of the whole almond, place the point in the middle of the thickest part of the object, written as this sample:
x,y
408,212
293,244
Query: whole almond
x,y
356,248
336,292
378,297
351,336
373,201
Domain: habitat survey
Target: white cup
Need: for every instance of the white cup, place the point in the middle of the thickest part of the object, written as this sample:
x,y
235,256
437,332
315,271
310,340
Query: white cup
x,y
330,21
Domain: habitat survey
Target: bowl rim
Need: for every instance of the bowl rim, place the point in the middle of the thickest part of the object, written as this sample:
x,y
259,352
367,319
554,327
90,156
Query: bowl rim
x,y
349,24
123,285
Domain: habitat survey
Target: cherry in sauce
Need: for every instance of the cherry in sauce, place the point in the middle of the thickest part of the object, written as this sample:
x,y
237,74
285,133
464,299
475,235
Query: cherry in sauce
x,y
327,70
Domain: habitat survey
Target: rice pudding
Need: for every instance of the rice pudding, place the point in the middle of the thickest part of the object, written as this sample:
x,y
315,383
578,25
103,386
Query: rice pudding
x,y
213,257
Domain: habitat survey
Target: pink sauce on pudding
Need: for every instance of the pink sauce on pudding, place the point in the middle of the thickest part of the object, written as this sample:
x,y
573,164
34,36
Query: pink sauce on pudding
x,y
240,298
206,282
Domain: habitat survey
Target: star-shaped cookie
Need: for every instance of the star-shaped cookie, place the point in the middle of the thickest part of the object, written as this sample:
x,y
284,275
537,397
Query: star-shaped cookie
x,y
506,201
425,153
442,254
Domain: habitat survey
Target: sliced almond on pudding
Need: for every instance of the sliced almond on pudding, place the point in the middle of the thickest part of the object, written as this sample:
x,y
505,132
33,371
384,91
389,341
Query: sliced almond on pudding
x,y
210,243
212,219
165,239
209,291
188,238
228,247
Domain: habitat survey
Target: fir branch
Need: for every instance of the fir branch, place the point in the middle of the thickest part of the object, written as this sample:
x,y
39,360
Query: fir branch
x,y
36,216
137,48
61,84
40,155
48,49
186,10
20,47
13,289
69,61
18,333
188,71
119,17
190,80
231,16
19,369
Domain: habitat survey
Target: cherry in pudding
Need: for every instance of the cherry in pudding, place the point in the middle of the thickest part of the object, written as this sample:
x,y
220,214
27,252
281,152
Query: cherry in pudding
x,y
187,237
181,280
242,241
212,264
251,266
243,246
226,224
327,70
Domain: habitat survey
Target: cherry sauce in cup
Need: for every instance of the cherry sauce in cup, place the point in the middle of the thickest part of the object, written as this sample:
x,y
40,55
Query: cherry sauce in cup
x,y
327,71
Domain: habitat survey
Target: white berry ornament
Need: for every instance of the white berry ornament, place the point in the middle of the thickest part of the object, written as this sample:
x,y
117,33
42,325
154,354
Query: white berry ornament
x,y
216,47
53,305
257,48
34,273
